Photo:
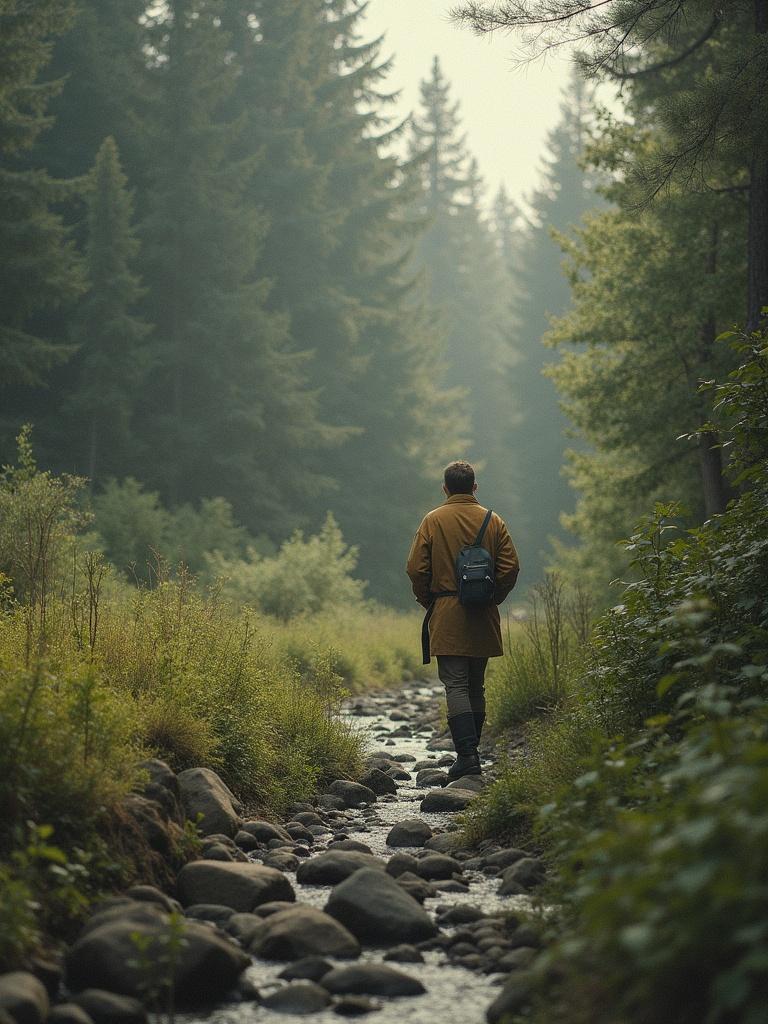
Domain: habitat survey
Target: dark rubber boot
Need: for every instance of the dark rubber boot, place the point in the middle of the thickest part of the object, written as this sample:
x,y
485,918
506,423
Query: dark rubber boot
x,y
465,741
479,717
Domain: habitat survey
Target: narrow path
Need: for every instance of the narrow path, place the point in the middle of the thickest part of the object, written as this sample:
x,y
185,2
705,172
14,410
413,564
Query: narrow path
x,y
464,965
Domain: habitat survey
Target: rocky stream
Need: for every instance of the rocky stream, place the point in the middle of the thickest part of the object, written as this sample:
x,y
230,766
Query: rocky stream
x,y
362,903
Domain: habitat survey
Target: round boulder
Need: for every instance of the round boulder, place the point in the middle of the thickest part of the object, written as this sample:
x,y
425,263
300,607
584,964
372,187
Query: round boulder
x,y
411,832
378,911
298,998
204,793
371,980
239,886
303,931
334,866
23,997
447,800
352,793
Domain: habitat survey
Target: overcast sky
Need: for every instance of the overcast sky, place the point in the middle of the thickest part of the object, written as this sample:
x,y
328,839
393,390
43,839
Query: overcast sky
x,y
506,112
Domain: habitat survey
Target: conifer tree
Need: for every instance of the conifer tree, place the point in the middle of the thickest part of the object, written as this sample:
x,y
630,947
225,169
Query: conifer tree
x,y
112,355
39,269
228,411
539,291
467,283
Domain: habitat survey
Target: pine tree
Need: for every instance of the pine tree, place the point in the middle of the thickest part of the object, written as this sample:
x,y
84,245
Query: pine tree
x,y
112,355
39,269
339,231
539,291
467,283
228,411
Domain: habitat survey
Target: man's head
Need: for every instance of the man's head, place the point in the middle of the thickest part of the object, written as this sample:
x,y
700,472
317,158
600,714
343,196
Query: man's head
x,y
459,478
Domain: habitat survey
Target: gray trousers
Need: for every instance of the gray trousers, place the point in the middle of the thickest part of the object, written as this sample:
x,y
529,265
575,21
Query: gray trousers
x,y
463,679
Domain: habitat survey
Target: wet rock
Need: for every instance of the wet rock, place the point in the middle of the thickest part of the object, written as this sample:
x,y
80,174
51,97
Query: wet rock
x,y
378,910
474,782
401,862
379,782
447,800
334,866
213,912
246,841
299,833
263,831
308,968
298,997
308,818
430,762
403,758
354,1006
350,844
445,842
217,851
239,886
417,887
410,832
404,954
352,793
504,858
514,995
208,963
108,1008
437,866
520,877
274,907
69,1013
431,777
245,927
440,743
446,760
204,793
371,980
283,860
304,931
399,774
151,894
452,885
461,913
23,997
125,910
331,802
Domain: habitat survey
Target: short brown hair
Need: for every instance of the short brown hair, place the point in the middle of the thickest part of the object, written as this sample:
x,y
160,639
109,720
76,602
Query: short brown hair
x,y
459,478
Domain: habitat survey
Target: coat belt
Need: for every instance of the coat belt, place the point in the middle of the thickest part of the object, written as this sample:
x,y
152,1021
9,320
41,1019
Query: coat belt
x,y
425,657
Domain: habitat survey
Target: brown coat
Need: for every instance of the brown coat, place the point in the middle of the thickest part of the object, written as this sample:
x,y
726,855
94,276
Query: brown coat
x,y
454,629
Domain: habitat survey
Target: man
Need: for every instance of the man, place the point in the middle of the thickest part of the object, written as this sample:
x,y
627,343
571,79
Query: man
x,y
462,637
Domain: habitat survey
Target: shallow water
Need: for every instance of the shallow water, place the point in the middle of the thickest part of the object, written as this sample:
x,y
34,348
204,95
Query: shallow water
x,y
454,994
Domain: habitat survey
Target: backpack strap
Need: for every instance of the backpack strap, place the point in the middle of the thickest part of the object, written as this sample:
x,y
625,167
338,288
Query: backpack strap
x,y
483,528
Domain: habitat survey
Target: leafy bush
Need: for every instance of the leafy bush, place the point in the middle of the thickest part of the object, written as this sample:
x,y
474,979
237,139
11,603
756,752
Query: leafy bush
x,y
304,577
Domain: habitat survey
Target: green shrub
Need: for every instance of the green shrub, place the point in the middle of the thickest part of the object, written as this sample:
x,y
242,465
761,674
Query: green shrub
x,y
306,575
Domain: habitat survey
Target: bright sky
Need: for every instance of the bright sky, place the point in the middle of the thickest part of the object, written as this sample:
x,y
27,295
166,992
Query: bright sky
x,y
506,111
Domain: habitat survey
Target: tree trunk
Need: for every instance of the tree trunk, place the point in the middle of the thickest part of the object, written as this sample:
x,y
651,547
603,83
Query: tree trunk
x,y
714,487
757,295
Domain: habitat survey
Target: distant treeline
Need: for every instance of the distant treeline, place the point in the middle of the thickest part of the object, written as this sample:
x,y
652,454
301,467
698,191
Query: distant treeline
x,y
220,280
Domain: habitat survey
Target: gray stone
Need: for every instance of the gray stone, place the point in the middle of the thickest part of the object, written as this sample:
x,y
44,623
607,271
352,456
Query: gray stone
x,y
520,877
437,866
244,927
404,954
462,913
298,997
445,842
246,841
431,777
163,788
304,931
239,886
379,782
378,911
350,844
265,830
352,793
330,802
308,968
216,851
400,862
473,782
504,858
410,832
308,818
371,980
268,909
108,1008
213,912
334,866
204,793
23,997
69,1013
417,887
208,964
151,894
283,860
447,800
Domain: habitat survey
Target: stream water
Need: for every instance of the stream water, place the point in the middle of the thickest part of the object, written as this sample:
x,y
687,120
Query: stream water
x,y
454,994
